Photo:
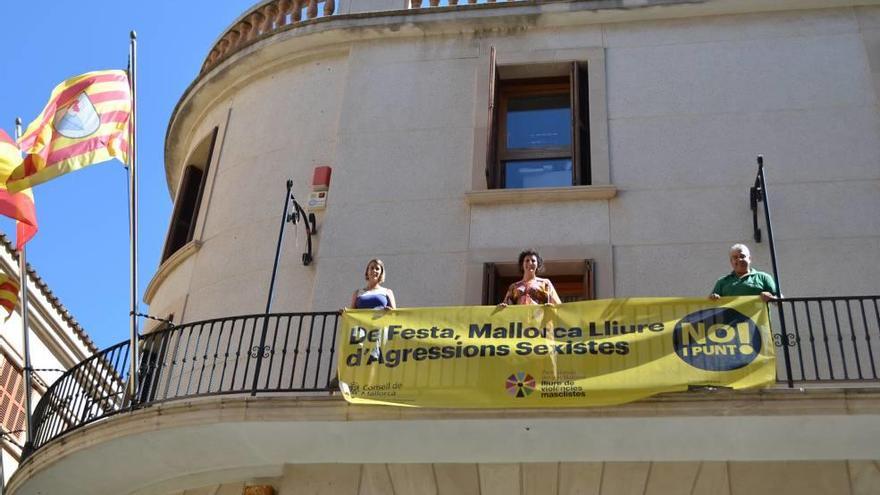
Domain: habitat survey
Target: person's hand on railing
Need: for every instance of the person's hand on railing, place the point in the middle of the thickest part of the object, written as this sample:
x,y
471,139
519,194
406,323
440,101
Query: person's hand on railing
x,y
767,296
714,297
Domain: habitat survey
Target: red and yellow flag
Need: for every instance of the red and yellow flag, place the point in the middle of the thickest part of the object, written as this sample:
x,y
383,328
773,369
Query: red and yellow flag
x,y
20,205
9,290
85,122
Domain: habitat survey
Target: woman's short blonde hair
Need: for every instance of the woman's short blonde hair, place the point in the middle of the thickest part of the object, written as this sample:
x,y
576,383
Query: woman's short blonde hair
x,y
380,264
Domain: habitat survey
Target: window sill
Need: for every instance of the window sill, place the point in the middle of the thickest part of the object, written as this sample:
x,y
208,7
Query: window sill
x,y
540,195
168,266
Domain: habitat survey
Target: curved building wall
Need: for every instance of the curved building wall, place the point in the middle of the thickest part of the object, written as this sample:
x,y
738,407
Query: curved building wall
x,y
275,126
682,96
678,110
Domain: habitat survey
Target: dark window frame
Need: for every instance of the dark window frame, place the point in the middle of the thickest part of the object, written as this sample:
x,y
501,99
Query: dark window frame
x,y
525,88
181,229
575,84
565,275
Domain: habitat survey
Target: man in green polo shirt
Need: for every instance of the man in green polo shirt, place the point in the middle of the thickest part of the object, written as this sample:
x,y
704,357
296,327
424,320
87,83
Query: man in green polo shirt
x,y
744,280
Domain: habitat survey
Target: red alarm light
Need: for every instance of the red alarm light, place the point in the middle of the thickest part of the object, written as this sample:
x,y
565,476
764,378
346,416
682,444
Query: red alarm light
x,y
321,178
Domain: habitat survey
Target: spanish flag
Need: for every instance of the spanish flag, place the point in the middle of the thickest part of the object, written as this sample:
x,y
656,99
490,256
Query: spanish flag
x,y
20,205
85,122
9,289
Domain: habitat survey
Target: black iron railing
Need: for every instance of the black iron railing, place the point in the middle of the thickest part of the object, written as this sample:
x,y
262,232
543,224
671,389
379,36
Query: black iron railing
x,y
213,357
90,390
827,339
830,340
224,356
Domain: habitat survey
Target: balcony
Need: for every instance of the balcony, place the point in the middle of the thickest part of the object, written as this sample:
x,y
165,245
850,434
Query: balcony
x,y
821,342
241,391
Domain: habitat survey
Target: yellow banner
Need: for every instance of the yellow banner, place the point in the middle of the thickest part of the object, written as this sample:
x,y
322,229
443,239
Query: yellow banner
x,y
587,353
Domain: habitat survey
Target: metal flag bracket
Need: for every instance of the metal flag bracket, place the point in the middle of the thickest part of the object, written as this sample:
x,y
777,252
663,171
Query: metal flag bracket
x,y
262,350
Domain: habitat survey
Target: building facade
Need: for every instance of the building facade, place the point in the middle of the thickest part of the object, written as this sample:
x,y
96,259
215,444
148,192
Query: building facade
x,y
57,343
617,137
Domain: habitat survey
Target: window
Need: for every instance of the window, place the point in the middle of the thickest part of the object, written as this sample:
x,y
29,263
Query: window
x,y
539,127
189,197
573,280
11,397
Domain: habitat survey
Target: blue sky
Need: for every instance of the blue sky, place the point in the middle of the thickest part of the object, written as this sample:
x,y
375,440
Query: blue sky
x,y
82,248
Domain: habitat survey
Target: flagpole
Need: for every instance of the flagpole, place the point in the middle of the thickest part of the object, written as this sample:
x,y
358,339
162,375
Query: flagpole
x,y
133,213
25,330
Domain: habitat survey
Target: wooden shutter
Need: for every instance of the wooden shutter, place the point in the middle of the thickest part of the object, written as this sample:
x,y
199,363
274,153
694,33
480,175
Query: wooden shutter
x,y
203,180
188,201
489,284
580,128
11,397
182,218
589,281
492,175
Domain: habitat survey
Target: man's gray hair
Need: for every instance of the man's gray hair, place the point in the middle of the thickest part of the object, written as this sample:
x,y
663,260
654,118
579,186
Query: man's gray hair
x,y
740,247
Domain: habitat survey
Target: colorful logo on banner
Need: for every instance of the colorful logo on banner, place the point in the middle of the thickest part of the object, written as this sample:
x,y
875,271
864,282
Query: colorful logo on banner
x,y
520,384
575,354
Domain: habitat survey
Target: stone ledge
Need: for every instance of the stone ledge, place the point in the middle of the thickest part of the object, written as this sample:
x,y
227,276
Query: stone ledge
x,y
168,266
203,433
540,195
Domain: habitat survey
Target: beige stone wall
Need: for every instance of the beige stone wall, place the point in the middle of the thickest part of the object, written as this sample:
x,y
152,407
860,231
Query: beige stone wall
x,y
401,119
405,145
691,104
278,126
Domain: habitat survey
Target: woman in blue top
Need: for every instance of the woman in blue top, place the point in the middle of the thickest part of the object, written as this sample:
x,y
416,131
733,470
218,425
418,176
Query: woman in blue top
x,y
373,295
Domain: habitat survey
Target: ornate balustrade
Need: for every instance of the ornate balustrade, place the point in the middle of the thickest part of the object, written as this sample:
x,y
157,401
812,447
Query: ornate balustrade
x,y
266,18
416,4
272,16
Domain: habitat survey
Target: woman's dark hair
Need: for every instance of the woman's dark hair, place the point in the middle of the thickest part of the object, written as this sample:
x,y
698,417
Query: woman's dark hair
x,y
530,252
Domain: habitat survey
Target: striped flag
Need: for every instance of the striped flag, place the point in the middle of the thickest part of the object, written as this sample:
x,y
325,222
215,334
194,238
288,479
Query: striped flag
x,y
85,122
9,290
20,205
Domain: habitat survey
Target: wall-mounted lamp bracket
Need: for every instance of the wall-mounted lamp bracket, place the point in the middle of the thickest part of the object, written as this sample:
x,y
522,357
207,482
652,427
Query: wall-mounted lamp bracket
x,y
754,199
310,224
756,195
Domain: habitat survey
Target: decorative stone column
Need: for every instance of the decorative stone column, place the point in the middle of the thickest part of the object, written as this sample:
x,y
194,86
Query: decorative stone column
x,y
284,7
